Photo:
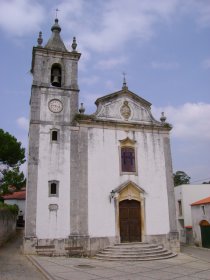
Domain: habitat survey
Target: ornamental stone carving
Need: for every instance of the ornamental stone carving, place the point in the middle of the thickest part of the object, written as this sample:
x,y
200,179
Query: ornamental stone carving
x,y
125,110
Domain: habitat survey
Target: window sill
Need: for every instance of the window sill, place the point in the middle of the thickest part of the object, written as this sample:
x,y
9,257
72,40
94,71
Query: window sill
x,y
129,173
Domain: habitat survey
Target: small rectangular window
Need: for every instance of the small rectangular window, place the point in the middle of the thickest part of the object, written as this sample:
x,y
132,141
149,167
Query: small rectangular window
x,y
54,135
180,207
53,188
203,209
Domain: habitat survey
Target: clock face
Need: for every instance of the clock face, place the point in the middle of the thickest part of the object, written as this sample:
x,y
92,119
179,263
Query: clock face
x,y
55,106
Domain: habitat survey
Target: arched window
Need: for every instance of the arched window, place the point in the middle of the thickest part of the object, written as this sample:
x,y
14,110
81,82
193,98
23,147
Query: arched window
x,y
128,159
56,75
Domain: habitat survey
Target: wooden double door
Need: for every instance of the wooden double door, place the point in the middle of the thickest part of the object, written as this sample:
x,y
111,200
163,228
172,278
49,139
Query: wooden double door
x,y
130,220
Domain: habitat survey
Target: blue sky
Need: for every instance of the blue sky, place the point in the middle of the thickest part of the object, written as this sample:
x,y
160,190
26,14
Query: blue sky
x,y
162,45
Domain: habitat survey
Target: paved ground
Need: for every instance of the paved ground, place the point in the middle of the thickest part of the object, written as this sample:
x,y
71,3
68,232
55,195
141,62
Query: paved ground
x,y
15,266
200,253
182,267
191,264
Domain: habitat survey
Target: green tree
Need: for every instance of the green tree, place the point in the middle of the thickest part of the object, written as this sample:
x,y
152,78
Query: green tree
x,y
12,155
12,177
11,152
180,178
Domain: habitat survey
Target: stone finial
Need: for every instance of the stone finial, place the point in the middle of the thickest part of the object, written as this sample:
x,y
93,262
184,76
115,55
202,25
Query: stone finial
x,y
82,109
74,44
162,118
40,40
56,26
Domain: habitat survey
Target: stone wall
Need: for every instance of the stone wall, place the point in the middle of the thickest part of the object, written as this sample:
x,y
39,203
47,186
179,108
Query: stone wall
x,y
7,225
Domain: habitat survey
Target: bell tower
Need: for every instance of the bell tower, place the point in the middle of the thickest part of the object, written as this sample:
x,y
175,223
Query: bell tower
x,y
55,72
53,104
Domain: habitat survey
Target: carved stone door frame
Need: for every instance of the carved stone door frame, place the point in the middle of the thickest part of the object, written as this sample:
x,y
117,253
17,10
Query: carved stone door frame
x,y
129,191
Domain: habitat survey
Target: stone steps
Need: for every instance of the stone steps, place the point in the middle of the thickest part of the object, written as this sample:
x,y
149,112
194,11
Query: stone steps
x,y
134,252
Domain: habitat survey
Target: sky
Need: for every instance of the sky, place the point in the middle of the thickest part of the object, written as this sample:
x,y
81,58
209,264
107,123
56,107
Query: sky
x,y
163,46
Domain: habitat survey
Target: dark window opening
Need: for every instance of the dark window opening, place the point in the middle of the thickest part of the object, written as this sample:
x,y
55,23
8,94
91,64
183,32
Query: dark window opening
x,y
54,135
128,159
53,188
180,207
203,209
56,75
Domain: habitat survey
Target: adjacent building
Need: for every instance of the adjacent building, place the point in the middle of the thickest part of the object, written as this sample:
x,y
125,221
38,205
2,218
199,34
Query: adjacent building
x,y
19,199
201,222
185,195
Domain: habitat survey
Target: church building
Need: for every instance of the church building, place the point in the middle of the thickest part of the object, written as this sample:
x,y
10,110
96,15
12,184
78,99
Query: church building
x,y
93,180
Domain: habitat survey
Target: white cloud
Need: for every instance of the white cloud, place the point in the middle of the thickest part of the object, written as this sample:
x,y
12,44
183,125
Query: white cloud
x,y
190,137
19,17
190,121
109,25
206,63
102,25
110,63
164,65
23,123
110,85
89,80
202,9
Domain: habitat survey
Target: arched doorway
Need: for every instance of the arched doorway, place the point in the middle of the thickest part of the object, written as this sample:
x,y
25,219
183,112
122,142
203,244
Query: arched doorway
x,y
205,233
130,220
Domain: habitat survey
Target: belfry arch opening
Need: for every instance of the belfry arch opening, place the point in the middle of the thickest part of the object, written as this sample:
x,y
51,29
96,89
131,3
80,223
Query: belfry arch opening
x,y
56,76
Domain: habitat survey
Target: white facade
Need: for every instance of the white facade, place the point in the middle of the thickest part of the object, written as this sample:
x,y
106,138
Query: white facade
x,y
100,178
150,177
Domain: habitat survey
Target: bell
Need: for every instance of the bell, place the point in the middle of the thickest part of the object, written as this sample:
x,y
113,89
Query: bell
x,y
56,77
55,81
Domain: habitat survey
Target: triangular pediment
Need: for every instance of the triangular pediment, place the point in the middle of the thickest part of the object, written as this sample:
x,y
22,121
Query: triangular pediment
x,y
110,97
127,184
127,142
124,106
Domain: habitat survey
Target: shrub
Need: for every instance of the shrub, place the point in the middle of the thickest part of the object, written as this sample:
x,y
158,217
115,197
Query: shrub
x,y
14,209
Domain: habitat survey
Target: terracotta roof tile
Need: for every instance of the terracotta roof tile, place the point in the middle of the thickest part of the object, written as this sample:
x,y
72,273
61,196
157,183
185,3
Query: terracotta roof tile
x,y
16,195
202,201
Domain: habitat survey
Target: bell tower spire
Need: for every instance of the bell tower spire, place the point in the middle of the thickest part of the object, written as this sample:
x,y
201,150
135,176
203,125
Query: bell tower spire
x,y
55,42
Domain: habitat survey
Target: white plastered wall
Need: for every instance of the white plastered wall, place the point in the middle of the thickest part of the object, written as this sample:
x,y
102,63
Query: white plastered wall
x,y
54,164
104,176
